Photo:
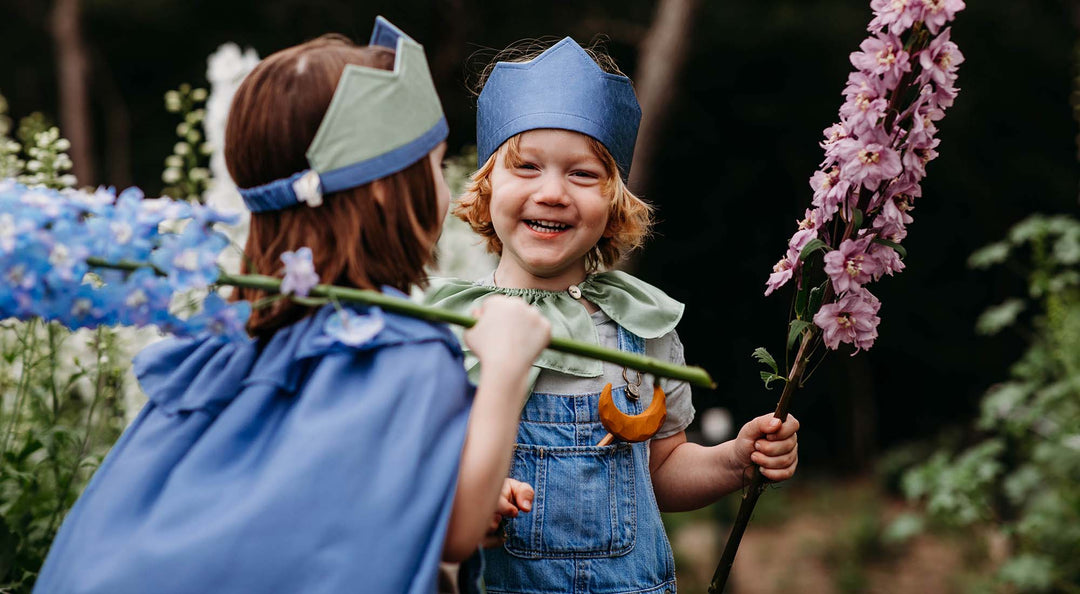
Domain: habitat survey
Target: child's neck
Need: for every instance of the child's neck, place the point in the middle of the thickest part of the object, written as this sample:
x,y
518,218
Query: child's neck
x,y
509,277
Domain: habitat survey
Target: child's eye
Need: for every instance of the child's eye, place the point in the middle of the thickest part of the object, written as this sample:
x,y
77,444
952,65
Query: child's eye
x,y
585,175
529,166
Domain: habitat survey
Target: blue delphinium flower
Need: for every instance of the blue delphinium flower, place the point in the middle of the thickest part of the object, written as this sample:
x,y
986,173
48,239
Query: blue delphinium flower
x,y
190,259
145,297
353,329
300,275
221,318
46,237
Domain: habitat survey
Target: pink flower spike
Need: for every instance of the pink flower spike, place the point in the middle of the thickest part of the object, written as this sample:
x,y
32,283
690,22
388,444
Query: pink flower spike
x,y
852,319
849,266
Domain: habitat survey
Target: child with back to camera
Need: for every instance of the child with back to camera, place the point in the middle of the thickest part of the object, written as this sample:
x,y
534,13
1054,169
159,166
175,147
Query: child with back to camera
x,y
555,138
340,449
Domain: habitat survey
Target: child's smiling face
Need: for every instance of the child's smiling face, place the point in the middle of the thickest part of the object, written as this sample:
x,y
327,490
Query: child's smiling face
x,y
549,209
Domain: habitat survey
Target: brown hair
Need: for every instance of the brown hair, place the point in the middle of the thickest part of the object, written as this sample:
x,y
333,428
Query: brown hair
x,y
381,233
630,218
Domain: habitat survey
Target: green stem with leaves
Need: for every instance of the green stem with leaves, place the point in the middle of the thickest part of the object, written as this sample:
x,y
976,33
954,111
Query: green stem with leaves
x,y
693,375
758,482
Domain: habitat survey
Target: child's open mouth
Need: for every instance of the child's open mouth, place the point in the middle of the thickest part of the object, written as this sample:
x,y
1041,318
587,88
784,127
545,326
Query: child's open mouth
x,y
546,226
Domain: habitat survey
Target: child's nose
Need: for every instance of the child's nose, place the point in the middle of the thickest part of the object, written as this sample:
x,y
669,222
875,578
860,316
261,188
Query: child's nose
x,y
551,190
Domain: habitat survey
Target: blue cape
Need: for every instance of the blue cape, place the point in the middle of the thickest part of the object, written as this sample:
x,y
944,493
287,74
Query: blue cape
x,y
295,464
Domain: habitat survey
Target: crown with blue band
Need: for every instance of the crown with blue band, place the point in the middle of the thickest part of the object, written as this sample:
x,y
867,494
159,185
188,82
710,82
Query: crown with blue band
x,y
378,123
561,88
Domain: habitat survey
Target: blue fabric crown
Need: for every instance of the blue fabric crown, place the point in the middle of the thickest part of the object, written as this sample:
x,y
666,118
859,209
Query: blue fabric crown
x,y
379,122
561,88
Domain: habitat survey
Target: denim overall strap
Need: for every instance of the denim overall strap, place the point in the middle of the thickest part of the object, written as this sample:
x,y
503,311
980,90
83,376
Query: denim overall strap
x,y
595,526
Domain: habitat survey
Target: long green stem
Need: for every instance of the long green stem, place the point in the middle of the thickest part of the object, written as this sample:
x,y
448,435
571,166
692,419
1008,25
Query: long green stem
x,y
24,384
758,482
694,375
99,387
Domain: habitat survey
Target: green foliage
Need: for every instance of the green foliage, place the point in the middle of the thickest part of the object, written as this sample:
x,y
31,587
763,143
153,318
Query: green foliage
x,y
765,358
39,156
1024,471
61,404
62,411
186,170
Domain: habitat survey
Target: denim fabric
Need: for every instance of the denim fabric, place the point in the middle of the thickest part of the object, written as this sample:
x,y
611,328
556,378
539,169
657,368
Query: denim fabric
x,y
595,527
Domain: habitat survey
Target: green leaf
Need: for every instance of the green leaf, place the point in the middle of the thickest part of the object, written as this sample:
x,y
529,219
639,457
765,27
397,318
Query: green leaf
x,y
816,295
857,218
763,356
987,256
769,378
896,246
809,248
800,303
998,317
795,330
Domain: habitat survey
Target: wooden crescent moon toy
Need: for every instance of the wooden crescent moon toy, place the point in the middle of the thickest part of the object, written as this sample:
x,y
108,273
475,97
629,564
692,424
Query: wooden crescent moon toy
x,y
631,427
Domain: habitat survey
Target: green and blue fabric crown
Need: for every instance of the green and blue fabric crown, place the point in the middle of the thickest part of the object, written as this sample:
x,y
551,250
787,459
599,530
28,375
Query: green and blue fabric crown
x,y
561,88
378,123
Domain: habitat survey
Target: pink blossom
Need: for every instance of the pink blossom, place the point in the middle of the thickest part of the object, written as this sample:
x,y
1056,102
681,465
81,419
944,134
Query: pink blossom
x,y
882,55
848,266
892,220
887,259
940,60
915,159
862,112
781,274
829,192
867,162
852,319
897,15
860,83
938,12
833,135
923,128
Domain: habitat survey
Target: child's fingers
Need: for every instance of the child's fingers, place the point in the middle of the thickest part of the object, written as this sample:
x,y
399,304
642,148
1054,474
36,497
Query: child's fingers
x,y
779,474
789,429
523,495
776,448
788,459
506,506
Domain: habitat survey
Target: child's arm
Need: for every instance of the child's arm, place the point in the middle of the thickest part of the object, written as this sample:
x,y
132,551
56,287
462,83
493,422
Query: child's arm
x,y
689,476
507,338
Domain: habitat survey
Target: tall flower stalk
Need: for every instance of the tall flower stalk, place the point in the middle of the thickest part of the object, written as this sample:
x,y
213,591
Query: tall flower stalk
x,y
863,193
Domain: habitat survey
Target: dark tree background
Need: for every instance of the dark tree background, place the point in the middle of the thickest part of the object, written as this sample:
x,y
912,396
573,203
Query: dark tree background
x,y
729,171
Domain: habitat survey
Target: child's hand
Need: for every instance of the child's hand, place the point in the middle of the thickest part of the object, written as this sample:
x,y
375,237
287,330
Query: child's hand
x,y
508,334
769,444
515,497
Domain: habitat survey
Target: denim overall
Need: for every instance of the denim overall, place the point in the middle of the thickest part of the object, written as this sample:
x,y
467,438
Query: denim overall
x,y
595,526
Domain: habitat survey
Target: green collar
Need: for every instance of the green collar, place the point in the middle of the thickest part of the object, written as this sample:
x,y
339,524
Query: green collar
x,y
631,302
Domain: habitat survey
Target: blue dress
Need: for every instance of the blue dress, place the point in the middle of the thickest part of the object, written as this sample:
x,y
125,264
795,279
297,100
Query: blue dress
x,y
293,464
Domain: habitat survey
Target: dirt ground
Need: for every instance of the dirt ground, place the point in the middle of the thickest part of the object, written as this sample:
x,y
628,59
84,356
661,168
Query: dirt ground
x,y
827,539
